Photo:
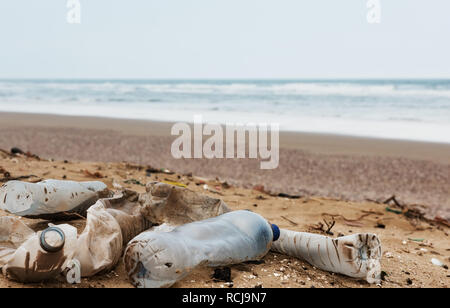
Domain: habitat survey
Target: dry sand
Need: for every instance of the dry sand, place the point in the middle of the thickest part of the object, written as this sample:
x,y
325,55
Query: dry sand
x,y
406,262
334,166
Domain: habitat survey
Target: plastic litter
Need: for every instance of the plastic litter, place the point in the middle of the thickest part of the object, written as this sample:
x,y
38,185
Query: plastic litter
x,y
164,203
27,256
187,230
111,223
356,255
437,262
48,198
159,259
73,269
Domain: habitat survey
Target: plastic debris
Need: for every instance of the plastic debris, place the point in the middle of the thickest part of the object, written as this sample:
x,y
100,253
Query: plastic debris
x,y
134,182
164,203
437,262
356,255
161,256
48,198
73,269
34,257
175,183
420,240
159,259
111,223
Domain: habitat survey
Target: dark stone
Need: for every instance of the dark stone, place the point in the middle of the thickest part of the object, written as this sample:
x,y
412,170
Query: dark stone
x,y
222,274
16,151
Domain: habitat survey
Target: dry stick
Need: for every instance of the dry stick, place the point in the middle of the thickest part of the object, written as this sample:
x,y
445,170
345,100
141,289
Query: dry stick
x,y
330,226
6,152
292,222
394,200
74,214
350,222
23,177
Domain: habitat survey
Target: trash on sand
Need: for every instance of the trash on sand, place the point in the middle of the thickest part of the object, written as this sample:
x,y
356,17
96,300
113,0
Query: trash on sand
x,y
150,170
16,151
175,183
134,182
284,195
437,262
73,270
393,210
48,198
162,255
27,256
159,259
380,225
356,255
111,223
164,203
420,240
96,174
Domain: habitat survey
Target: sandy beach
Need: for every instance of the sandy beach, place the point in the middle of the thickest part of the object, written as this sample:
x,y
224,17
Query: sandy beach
x,y
328,121
343,167
409,243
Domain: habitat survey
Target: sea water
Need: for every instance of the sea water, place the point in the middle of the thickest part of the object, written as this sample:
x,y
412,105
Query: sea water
x,y
396,109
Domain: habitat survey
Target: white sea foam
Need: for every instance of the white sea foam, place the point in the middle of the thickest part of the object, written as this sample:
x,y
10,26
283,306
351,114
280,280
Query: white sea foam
x,y
416,110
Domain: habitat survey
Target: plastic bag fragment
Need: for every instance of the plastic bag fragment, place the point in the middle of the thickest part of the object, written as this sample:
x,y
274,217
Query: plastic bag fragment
x,y
164,203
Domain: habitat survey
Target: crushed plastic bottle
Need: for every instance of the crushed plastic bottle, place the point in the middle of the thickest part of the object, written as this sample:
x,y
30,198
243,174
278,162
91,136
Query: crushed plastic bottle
x,y
48,198
159,259
34,257
356,255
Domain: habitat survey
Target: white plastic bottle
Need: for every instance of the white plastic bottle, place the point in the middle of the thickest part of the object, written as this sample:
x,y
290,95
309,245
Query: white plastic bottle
x,y
356,255
43,199
159,259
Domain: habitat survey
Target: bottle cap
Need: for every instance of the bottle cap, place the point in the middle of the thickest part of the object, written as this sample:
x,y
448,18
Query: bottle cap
x,y
276,232
52,239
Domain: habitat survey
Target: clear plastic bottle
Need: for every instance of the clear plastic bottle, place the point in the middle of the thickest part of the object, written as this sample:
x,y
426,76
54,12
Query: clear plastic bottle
x,y
159,259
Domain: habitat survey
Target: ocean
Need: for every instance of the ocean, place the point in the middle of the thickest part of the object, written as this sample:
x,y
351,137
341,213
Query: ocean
x,y
395,109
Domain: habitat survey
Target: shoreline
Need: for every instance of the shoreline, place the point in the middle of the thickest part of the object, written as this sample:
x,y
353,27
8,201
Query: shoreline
x,y
339,167
315,142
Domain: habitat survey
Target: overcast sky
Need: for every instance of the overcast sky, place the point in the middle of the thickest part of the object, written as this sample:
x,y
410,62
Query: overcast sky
x,y
225,39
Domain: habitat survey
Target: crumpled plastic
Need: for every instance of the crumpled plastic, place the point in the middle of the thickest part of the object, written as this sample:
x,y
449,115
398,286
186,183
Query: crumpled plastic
x,y
23,259
110,224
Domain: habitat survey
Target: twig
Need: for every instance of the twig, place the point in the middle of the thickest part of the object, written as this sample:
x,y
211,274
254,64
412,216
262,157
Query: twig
x,y
74,214
23,177
330,226
292,222
394,200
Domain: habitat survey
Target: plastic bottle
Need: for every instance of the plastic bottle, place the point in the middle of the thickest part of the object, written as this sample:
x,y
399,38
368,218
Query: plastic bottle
x,y
35,257
46,198
356,255
159,259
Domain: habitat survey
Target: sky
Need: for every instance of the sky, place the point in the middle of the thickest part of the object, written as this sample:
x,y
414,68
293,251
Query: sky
x,y
224,39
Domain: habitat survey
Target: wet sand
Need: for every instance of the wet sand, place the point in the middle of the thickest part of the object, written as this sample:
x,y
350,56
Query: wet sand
x,y
347,168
